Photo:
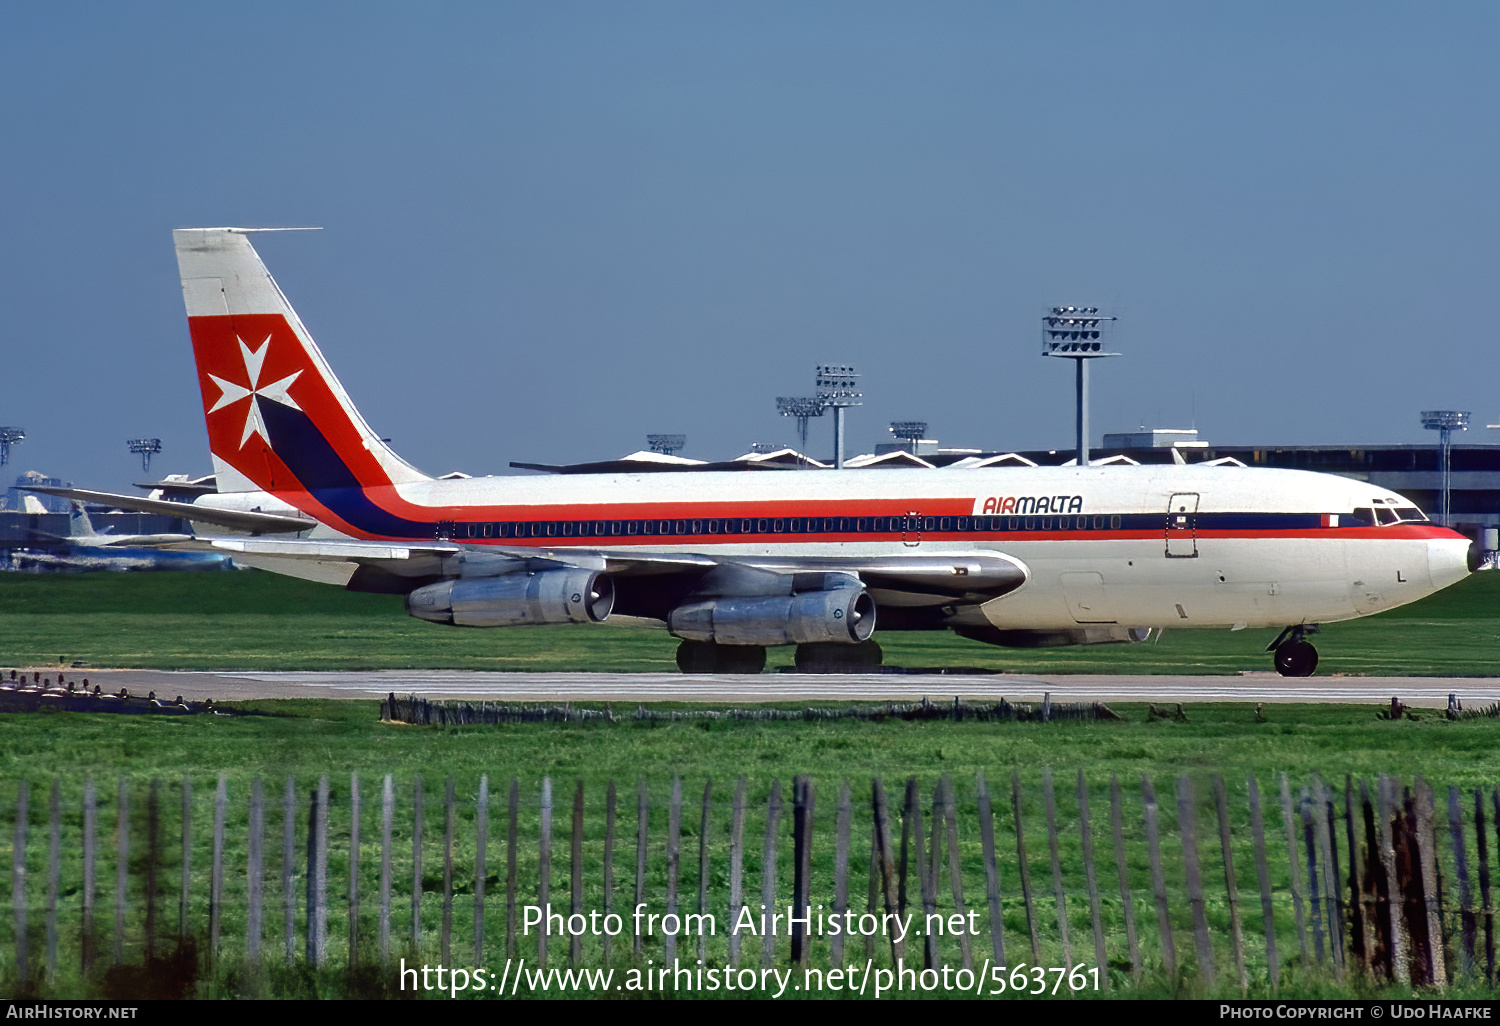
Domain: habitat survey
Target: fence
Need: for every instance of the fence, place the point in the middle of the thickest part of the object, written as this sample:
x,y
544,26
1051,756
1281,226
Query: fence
x,y
1365,878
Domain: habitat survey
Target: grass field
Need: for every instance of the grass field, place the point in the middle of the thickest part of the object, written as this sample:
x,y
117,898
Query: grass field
x,y
256,620
259,620
340,738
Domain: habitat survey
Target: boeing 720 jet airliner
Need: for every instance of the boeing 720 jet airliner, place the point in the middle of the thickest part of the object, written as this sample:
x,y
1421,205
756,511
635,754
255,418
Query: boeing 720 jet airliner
x,y
733,562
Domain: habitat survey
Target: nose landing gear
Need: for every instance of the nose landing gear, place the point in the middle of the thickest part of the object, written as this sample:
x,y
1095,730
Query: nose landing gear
x,y
1294,655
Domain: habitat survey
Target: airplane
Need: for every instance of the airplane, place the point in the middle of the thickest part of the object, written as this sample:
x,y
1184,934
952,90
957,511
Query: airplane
x,y
85,548
732,563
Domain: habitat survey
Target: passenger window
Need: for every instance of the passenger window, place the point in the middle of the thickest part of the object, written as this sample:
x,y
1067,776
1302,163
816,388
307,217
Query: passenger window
x,y
632,526
780,526
794,525
1114,523
963,523
1046,523
697,527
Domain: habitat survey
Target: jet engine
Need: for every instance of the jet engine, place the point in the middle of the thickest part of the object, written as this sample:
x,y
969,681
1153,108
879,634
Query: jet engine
x,y
843,615
516,599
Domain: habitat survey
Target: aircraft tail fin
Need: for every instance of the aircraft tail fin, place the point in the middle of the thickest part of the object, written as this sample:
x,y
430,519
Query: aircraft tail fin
x,y
79,524
278,419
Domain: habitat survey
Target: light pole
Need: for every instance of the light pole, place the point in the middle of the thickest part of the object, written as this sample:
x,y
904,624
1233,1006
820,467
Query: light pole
x,y
145,448
836,389
1445,422
1074,333
803,408
910,432
666,445
9,436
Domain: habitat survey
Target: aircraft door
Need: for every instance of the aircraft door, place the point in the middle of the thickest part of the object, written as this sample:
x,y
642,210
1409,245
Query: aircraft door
x,y
1182,526
911,529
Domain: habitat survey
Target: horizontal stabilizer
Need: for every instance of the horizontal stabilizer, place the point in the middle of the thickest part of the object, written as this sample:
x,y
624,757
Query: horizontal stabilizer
x,y
234,520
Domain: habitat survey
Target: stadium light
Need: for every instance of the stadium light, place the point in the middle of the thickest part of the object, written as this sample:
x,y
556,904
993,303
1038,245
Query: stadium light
x,y
1445,422
1076,333
803,408
837,389
9,436
667,445
910,432
145,448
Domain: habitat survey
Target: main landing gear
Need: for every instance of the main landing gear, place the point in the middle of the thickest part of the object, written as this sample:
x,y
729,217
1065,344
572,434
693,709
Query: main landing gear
x,y
1295,656
708,657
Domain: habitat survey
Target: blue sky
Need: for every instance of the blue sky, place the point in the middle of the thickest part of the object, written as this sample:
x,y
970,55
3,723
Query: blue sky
x,y
551,228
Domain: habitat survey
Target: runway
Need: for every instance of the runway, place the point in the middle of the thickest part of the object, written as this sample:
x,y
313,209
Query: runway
x,y
730,689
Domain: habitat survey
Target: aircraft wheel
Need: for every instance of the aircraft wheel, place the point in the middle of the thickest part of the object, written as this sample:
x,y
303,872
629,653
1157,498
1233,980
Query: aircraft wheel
x,y
708,657
828,657
1296,659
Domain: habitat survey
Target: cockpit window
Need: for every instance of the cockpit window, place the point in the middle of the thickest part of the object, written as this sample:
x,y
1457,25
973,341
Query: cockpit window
x,y
1386,516
1410,515
1366,514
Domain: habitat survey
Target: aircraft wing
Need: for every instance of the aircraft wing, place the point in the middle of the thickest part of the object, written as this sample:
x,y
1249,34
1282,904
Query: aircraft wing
x,y
963,576
233,520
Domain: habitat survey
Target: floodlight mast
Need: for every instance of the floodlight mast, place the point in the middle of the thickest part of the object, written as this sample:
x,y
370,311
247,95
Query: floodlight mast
x,y
910,432
667,445
145,448
1075,333
803,408
1445,422
836,384
9,436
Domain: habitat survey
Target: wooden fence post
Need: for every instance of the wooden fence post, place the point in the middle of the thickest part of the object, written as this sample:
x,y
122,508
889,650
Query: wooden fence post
x,y
955,870
1159,881
991,871
288,842
90,812
1127,903
1328,862
802,819
354,869
54,871
610,801
254,876
1484,888
703,825
926,864
840,872
418,818
481,867
510,868
18,879
887,865
768,869
216,879
1357,924
1187,827
122,867
387,817
674,861
545,886
1468,924
187,858
1221,799
1025,869
1057,881
642,821
575,867
446,942
1263,877
1086,834
1427,835
1400,946
153,863
1292,865
736,869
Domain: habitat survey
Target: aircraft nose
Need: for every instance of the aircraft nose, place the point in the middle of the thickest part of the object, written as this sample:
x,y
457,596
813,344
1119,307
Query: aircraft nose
x,y
1450,560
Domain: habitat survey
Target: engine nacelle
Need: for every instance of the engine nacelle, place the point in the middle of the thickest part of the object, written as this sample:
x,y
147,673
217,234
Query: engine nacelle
x,y
841,615
1101,634
519,599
